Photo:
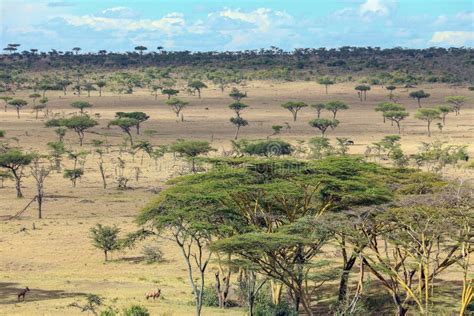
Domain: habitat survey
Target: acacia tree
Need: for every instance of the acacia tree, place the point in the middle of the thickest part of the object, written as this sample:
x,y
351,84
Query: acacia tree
x,y
177,105
457,101
140,117
388,107
396,116
323,124
39,173
81,105
18,104
362,91
34,96
318,107
89,86
105,238
418,95
326,82
80,124
15,160
238,122
170,92
428,115
445,109
391,89
237,95
141,49
41,106
294,107
101,85
335,106
237,107
6,99
190,149
197,85
125,124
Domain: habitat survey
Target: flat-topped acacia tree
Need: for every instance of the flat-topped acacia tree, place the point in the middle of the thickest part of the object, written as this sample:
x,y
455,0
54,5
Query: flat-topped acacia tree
x,y
34,96
326,82
388,106
362,91
323,124
177,105
101,85
457,101
335,106
237,95
237,107
77,123
197,85
81,106
391,89
6,99
396,116
418,95
18,104
140,117
15,160
318,107
445,109
294,107
191,149
169,92
125,124
428,115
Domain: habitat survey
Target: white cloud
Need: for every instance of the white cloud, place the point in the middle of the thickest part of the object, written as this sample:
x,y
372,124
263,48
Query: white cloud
x,y
264,19
171,23
119,12
376,7
452,38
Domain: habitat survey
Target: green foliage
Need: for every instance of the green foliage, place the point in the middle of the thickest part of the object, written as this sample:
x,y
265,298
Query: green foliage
x,y
237,95
105,238
428,115
191,149
335,106
81,105
320,147
237,107
152,254
209,297
2,133
294,107
14,159
457,101
266,148
420,94
177,105
136,310
170,92
323,124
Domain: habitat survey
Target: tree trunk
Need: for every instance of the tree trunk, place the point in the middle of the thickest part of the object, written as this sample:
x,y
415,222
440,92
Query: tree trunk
x,y
19,195
295,114
237,132
429,131
345,279
17,112
105,255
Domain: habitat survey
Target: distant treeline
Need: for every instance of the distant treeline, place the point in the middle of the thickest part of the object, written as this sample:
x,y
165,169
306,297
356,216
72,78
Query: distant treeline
x,y
452,65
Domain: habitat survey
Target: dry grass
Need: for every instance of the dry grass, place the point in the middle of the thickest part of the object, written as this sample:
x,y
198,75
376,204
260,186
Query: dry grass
x,y
57,261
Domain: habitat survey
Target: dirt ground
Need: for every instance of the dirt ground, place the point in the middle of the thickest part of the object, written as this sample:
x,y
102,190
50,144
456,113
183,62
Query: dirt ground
x,y
54,256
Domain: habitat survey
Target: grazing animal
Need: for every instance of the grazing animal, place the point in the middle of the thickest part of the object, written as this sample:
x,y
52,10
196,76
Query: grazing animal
x,y
153,294
350,142
22,294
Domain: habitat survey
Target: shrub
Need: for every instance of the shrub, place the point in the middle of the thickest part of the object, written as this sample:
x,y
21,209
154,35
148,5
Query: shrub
x,y
209,297
152,254
2,133
136,310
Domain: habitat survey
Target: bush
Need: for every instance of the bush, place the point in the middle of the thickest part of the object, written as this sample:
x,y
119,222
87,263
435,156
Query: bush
x,y
270,309
2,133
136,310
152,254
209,297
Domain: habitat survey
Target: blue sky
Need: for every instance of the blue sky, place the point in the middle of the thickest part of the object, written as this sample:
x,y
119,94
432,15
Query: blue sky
x,y
219,25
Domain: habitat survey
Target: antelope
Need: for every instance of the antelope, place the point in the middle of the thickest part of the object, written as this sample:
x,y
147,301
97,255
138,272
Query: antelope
x,y
22,294
153,294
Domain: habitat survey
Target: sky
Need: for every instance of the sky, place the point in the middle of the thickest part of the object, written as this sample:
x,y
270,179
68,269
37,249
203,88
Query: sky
x,y
223,25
